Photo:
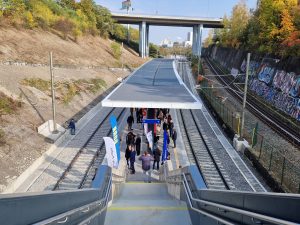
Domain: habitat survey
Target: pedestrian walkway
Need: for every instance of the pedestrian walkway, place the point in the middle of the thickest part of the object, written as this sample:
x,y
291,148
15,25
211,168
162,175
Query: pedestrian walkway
x,y
146,204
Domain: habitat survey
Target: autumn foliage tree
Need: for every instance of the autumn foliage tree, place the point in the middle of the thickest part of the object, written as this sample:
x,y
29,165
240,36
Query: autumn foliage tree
x,y
274,28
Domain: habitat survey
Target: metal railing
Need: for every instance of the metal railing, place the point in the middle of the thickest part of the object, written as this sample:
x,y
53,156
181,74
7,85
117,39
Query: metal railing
x,y
96,208
256,218
281,169
85,206
232,207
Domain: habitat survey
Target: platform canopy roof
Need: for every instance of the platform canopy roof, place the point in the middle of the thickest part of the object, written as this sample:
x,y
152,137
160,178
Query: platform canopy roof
x,y
156,84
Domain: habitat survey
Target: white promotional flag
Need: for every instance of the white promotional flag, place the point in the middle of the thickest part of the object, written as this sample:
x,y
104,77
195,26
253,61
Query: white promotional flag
x,y
111,152
150,138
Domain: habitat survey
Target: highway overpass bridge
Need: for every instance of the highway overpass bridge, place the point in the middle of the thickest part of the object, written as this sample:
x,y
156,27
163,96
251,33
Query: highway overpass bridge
x,y
144,21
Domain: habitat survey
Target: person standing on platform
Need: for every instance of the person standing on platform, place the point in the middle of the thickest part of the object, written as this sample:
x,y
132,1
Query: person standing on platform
x,y
169,118
160,116
131,112
127,155
146,159
165,125
171,127
157,155
130,121
174,137
138,144
130,138
132,159
137,114
72,126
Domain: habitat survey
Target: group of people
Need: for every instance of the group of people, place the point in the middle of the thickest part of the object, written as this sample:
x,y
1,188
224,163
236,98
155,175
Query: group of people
x,y
168,125
133,142
133,148
130,118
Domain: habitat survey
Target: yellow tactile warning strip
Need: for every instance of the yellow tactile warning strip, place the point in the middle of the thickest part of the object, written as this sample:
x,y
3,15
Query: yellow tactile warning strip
x,y
141,208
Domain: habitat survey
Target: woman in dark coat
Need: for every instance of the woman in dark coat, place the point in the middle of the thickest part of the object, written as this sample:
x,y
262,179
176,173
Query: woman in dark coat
x,y
127,154
157,155
138,145
132,160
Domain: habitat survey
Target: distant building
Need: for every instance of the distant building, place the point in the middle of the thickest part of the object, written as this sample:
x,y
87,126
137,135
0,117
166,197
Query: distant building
x,y
189,41
166,43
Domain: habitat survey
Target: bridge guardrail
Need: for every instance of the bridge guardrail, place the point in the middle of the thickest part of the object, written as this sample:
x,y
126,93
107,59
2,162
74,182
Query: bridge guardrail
x,y
234,207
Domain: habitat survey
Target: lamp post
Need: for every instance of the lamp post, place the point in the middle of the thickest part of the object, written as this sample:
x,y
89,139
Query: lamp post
x,y
53,95
245,96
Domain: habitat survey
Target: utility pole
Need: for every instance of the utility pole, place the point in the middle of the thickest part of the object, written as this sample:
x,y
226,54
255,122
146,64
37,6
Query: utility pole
x,y
53,95
245,96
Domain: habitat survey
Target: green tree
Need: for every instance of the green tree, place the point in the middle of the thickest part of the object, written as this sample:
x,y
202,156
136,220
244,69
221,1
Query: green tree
x,y
234,26
71,4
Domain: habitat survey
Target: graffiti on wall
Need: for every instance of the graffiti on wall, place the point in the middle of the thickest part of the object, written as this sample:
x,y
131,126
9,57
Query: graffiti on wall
x,y
278,87
265,73
279,99
288,83
253,67
295,89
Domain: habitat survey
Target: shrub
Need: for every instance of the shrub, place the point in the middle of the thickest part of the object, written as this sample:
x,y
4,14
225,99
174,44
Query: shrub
x,y
37,83
65,26
116,50
7,105
30,23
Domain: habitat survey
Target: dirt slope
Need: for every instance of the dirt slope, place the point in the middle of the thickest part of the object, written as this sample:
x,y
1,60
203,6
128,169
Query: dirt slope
x,y
33,46
89,59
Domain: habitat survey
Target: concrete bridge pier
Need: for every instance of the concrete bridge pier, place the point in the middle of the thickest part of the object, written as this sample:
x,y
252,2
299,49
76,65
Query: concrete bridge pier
x,y
144,38
197,39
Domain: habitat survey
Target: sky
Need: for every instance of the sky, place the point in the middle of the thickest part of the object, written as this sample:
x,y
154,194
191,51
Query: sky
x,y
196,8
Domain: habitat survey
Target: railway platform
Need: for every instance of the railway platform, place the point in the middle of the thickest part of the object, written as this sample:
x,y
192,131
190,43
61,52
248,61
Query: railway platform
x,y
198,185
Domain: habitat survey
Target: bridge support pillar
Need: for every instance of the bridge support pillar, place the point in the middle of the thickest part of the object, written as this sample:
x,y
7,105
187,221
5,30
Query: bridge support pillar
x,y
147,41
194,45
142,42
197,39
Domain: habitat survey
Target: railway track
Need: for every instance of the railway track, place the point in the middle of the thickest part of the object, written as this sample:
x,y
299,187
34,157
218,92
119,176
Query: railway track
x,y
244,179
209,166
200,152
275,123
81,170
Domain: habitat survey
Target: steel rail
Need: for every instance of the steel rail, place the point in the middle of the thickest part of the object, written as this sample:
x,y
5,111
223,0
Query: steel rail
x,y
62,177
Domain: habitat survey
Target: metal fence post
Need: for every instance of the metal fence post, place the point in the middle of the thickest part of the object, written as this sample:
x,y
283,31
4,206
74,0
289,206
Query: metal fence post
x,y
261,145
282,172
270,164
232,121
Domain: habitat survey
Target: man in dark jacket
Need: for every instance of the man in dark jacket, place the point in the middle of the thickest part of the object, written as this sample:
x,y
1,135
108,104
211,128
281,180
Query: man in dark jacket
x,y
130,121
174,137
146,159
138,145
132,159
72,126
171,127
157,154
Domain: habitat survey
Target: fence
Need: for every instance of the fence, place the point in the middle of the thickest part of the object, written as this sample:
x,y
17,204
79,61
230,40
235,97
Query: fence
x,y
283,171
